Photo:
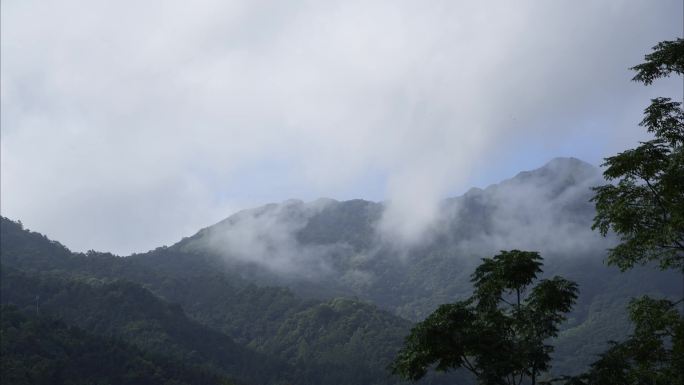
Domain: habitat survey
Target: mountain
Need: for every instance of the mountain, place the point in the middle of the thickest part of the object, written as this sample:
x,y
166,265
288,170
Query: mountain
x,y
319,291
125,310
43,350
255,335
327,248
338,244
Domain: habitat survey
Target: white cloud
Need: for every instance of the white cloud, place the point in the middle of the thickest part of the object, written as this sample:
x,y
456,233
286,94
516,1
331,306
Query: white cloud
x,y
126,125
267,237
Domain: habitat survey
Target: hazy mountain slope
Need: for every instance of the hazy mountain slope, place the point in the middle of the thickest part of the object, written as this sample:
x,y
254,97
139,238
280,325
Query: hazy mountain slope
x,y
42,350
327,248
350,344
126,310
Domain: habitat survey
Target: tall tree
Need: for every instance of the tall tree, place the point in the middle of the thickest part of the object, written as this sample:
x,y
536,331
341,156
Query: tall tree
x,y
645,208
499,333
653,354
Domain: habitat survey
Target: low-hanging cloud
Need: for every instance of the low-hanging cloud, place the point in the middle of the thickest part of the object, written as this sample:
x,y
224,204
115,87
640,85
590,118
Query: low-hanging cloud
x,y
546,210
266,237
127,125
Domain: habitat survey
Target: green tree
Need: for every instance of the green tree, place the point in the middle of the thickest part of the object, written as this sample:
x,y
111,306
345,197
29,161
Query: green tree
x,y
645,208
499,333
652,355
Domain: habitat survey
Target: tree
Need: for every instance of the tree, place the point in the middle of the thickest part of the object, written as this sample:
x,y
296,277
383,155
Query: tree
x,y
646,206
499,333
646,210
654,353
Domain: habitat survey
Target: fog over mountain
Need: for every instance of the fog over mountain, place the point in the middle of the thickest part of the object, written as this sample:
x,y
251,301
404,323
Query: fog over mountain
x,y
287,192
326,248
546,209
272,278
152,120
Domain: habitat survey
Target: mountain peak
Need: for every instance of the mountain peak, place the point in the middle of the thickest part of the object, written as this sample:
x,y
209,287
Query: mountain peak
x,y
560,169
568,162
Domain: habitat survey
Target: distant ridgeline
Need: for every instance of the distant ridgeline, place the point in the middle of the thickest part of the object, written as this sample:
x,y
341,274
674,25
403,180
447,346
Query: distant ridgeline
x,y
304,293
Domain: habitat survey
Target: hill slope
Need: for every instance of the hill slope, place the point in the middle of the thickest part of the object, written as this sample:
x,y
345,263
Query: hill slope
x,y
268,277
326,248
280,337
41,350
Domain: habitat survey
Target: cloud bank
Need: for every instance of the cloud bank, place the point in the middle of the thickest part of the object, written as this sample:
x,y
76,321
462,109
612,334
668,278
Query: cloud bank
x,y
547,210
267,237
127,125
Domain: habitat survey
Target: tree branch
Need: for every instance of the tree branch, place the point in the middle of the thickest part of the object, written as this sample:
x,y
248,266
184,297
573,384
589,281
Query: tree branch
x,y
470,366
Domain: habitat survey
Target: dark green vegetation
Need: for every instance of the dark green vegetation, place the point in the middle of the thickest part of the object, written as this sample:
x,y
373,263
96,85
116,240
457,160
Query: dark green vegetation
x,y
653,353
125,310
547,209
42,350
646,209
500,333
254,335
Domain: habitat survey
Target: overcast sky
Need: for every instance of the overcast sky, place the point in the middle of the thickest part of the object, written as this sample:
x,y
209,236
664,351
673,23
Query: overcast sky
x,y
127,125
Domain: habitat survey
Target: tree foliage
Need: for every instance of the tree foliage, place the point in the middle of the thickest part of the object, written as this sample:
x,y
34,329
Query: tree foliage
x,y
646,206
646,209
42,350
654,353
499,334
667,57
196,314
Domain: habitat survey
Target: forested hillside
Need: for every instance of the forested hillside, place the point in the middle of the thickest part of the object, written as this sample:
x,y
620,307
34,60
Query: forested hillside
x,y
125,310
43,350
333,249
256,335
313,293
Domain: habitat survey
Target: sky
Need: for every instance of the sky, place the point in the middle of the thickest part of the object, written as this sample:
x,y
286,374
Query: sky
x,y
128,125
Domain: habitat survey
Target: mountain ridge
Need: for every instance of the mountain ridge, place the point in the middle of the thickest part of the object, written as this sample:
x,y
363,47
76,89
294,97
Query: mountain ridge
x,y
581,169
271,274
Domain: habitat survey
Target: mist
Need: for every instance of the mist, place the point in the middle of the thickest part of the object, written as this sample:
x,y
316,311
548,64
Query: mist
x,y
267,237
546,210
127,126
